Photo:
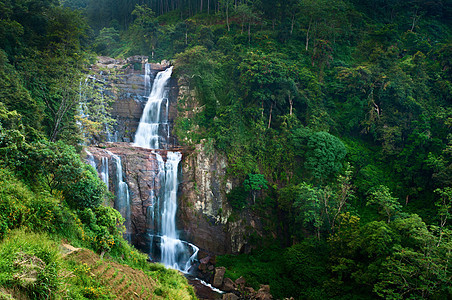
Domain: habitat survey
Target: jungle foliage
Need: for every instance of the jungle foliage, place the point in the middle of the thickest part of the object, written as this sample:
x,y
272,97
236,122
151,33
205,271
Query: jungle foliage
x,y
335,117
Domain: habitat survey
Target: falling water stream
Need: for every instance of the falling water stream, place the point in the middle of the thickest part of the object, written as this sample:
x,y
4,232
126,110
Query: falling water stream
x,y
122,199
151,124
153,133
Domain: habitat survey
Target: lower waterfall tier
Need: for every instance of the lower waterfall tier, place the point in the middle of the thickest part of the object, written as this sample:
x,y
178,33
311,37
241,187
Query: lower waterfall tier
x,y
202,216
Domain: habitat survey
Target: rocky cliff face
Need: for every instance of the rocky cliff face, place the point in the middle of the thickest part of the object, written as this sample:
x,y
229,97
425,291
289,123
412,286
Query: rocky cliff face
x,y
140,171
205,215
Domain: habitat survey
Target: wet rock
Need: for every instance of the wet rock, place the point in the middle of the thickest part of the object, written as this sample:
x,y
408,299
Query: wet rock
x,y
219,276
204,263
202,267
204,292
203,260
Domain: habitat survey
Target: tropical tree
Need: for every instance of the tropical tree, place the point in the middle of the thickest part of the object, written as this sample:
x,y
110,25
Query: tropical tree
x,y
255,183
387,204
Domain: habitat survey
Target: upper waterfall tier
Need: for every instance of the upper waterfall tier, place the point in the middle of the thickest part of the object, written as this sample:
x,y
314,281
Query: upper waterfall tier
x,y
154,121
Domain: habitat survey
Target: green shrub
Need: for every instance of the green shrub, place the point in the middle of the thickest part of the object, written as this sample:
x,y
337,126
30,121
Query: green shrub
x,y
102,228
19,207
87,192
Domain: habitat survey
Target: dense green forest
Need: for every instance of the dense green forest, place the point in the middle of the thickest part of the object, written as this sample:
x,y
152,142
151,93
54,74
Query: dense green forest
x,y
335,117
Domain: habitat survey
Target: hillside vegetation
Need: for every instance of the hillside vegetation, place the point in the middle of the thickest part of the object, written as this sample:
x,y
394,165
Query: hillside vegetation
x,y
48,195
335,117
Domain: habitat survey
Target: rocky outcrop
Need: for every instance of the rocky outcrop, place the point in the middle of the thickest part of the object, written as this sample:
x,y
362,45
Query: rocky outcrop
x,y
203,209
205,214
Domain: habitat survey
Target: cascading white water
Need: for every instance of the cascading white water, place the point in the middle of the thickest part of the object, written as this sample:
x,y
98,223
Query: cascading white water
x,y
103,174
147,78
174,253
104,171
153,133
122,199
147,135
90,159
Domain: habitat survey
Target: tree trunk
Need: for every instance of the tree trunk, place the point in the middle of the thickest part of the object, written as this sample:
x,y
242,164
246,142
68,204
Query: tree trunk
x,y
415,19
270,117
200,9
290,104
227,14
307,35
291,26
249,33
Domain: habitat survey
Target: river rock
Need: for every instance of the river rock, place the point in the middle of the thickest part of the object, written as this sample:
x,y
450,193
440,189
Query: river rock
x,y
219,276
230,296
240,282
228,285
263,293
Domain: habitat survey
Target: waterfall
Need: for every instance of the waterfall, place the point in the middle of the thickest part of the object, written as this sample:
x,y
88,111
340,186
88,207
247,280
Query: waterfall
x,y
147,135
90,159
147,77
153,133
122,199
104,171
172,251
103,174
